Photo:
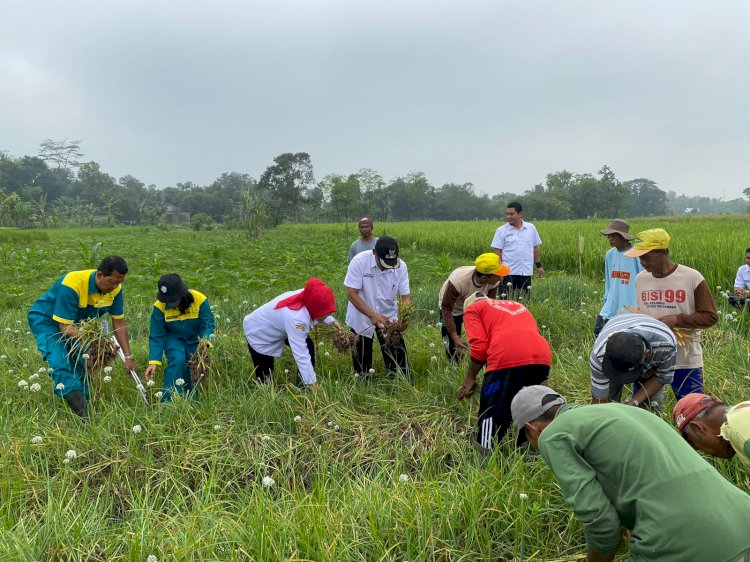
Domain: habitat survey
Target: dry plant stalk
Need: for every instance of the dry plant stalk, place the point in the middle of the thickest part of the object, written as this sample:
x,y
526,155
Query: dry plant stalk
x,y
200,362
94,342
394,329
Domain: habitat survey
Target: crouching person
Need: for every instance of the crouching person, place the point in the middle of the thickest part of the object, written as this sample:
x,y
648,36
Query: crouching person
x,y
503,335
179,319
288,319
622,467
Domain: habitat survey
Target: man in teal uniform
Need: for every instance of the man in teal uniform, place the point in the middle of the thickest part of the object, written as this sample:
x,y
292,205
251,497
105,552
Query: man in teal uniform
x,y
180,317
625,467
78,296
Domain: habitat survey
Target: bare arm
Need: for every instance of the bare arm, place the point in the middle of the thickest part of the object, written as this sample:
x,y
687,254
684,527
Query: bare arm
x,y
499,253
646,390
537,259
121,334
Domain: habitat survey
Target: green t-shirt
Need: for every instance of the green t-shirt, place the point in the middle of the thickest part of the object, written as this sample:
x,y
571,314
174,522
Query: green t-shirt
x,y
623,466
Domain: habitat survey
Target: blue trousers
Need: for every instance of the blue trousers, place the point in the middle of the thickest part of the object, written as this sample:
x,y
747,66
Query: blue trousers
x,y
178,353
68,368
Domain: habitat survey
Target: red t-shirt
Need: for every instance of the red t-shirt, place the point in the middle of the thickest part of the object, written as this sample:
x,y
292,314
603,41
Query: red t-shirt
x,y
504,334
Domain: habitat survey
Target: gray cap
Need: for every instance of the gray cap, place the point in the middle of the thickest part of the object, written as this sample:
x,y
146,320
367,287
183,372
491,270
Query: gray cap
x,y
530,403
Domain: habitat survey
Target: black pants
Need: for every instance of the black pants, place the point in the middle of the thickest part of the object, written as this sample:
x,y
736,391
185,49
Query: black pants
x,y
264,363
738,302
448,343
498,389
520,286
394,355
600,323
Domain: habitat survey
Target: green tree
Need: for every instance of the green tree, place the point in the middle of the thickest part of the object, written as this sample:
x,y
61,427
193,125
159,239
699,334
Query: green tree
x,y
285,182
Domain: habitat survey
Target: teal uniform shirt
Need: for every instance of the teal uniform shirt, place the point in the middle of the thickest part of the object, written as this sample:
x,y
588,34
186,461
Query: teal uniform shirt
x,y
75,297
175,335
623,466
168,323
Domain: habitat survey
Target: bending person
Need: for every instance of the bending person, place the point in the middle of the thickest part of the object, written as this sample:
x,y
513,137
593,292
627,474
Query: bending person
x,y
485,275
288,319
78,296
504,337
180,317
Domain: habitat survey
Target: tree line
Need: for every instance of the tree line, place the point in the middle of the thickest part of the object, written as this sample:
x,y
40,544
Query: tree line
x,y
58,188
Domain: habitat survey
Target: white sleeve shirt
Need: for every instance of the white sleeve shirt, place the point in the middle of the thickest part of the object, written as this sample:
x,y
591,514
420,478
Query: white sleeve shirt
x,y
377,287
518,246
742,281
267,327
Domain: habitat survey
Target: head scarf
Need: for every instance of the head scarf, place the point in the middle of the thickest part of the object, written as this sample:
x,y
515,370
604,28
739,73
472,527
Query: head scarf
x,y
316,297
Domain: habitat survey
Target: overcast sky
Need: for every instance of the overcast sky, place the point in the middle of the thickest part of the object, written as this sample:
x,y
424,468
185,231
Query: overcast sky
x,y
490,92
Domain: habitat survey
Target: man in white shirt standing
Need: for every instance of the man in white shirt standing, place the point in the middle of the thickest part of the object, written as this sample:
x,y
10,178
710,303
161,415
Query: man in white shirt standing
x,y
517,243
374,281
741,284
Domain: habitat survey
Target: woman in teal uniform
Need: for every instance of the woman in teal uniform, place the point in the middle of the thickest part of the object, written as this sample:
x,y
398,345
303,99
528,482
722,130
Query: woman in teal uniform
x,y
180,317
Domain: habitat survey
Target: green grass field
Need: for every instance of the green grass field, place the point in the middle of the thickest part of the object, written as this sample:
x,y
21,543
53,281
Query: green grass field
x,y
364,472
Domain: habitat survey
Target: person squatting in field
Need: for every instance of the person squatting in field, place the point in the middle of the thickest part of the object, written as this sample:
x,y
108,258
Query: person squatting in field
x,y
504,337
288,319
621,467
374,282
620,273
485,276
633,349
53,319
678,296
179,319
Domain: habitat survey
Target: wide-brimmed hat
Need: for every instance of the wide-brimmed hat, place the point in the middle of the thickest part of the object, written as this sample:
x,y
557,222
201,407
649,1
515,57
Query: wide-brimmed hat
x,y
618,226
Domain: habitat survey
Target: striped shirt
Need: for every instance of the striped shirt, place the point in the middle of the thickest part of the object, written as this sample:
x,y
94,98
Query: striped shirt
x,y
658,338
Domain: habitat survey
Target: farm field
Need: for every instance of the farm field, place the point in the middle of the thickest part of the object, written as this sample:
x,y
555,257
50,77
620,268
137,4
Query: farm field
x,y
362,472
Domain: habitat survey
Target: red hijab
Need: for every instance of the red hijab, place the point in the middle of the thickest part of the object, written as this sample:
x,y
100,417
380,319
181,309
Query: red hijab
x,y
316,297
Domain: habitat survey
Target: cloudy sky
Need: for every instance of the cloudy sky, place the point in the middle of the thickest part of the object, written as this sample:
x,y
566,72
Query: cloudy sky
x,y
490,92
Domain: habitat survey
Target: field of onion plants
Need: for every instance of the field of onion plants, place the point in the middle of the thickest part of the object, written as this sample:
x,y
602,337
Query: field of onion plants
x,y
357,471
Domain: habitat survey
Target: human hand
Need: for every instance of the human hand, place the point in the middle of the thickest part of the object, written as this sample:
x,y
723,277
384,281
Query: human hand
x,y
313,386
130,365
540,271
150,372
466,389
670,320
379,320
461,345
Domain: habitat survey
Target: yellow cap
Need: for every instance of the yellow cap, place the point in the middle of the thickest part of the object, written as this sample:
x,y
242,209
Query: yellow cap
x,y
489,264
654,239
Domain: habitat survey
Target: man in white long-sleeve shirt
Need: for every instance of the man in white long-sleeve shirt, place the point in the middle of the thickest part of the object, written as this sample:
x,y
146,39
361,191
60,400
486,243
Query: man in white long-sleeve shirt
x,y
374,281
288,319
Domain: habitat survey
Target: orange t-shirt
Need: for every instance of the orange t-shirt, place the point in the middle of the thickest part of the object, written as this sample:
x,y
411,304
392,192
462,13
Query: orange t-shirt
x,y
504,334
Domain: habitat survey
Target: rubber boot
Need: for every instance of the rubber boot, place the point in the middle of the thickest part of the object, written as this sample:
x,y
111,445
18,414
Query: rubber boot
x,y
77,402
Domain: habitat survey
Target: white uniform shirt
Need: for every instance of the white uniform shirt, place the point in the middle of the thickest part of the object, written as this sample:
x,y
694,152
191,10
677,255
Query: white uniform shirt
x,y
267,327
377,287
518,246
742,281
